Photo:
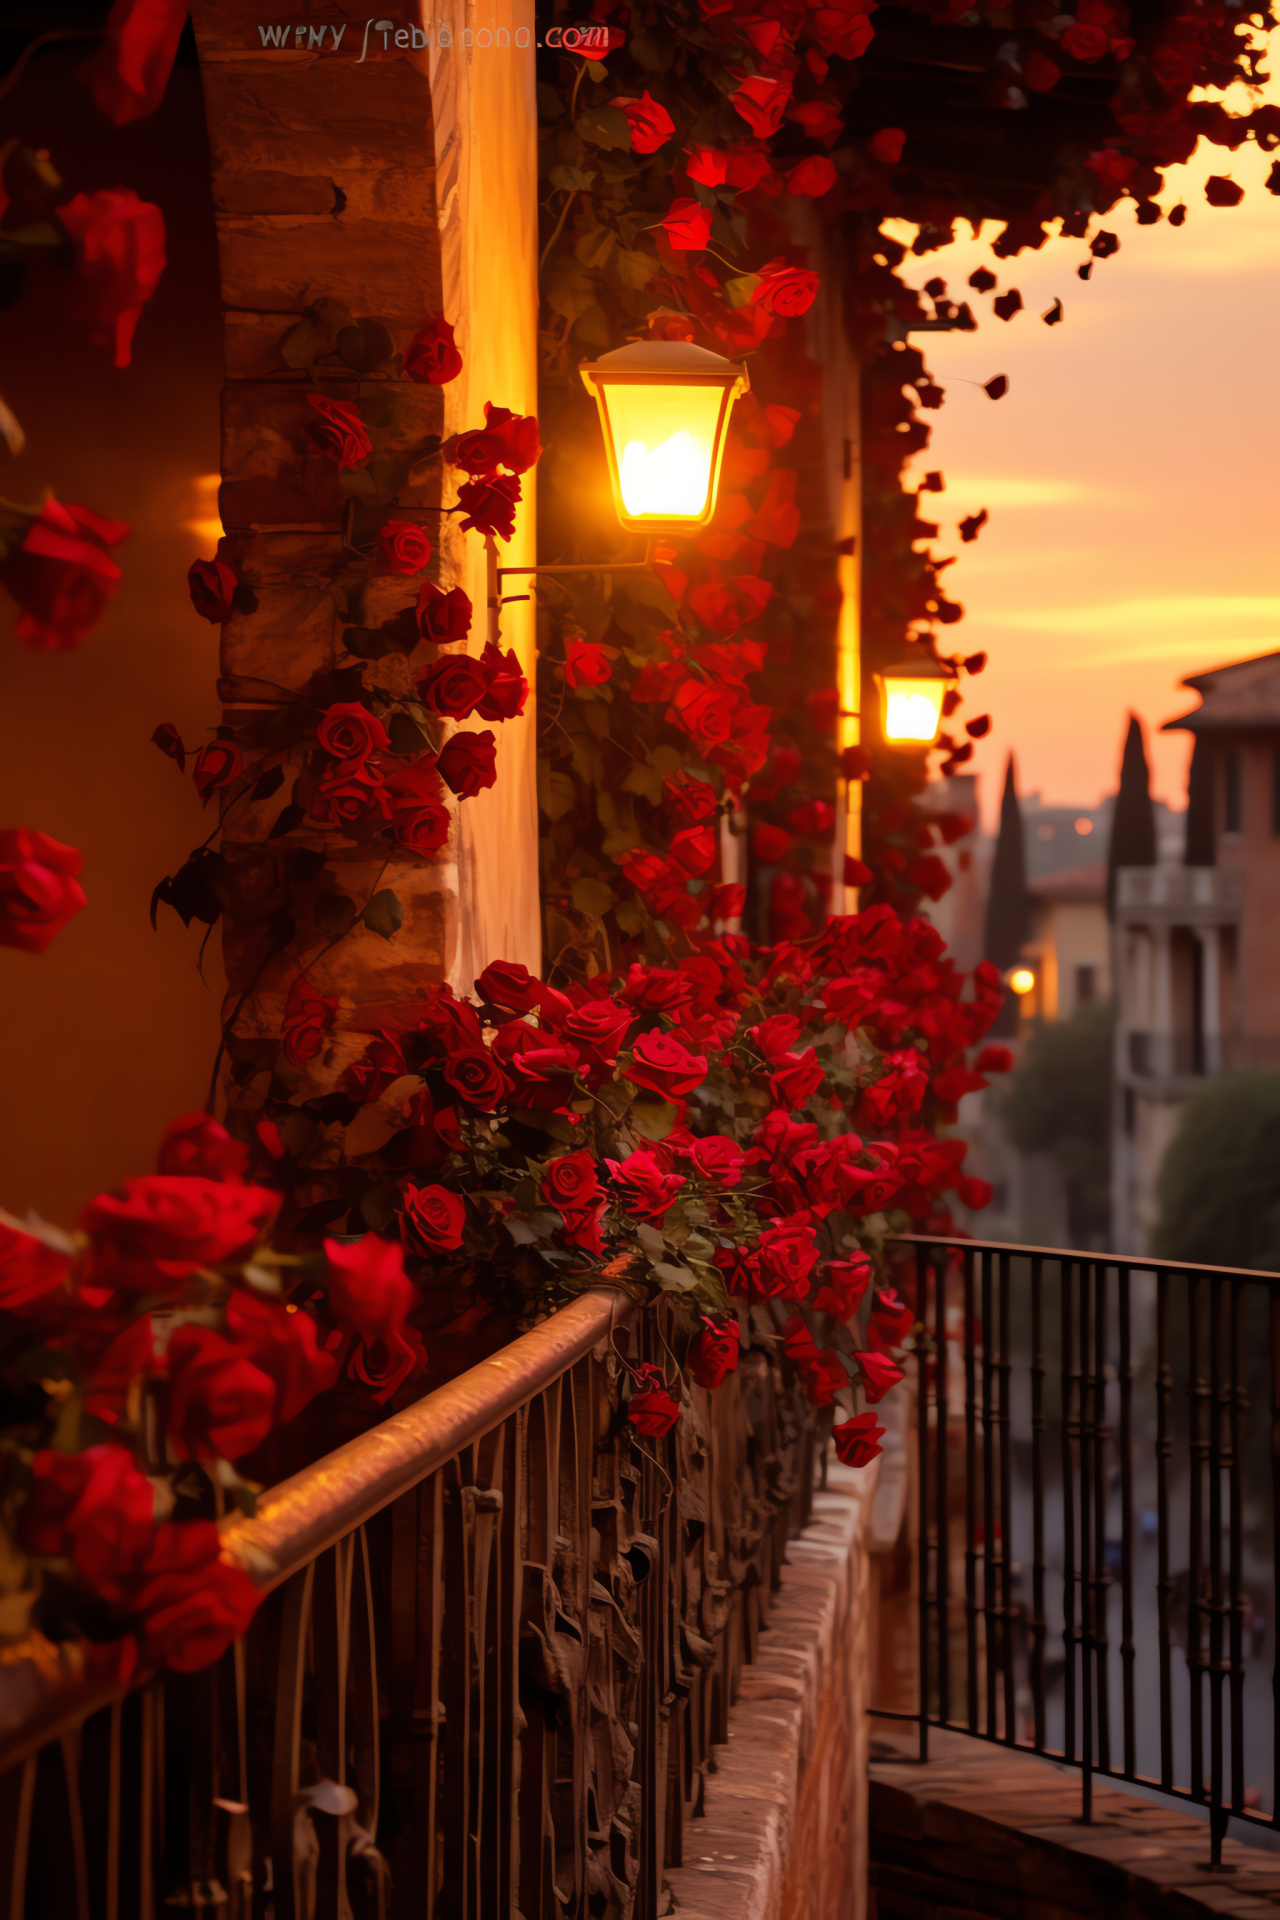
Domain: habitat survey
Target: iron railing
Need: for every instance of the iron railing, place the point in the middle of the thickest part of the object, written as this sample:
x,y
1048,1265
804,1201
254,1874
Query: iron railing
x,y
1097,1481
501,1633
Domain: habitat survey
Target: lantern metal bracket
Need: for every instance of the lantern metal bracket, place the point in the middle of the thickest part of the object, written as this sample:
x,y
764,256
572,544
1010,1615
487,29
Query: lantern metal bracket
x,y
500,599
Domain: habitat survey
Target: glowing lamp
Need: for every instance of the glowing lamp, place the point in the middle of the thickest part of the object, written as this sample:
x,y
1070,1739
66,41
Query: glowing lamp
x,y
664,410
911,704
1020,980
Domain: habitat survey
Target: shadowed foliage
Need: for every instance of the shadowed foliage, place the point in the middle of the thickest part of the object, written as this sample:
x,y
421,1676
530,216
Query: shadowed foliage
x,y
1219,1186
1059,1103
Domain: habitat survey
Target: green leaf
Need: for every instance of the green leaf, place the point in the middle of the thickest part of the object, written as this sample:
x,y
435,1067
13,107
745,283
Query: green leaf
x,y
571,179
674,1279
365,345
604,127
360,483
738,292
644,780
653,1118
592,896
556,792
651,1240
594,246
631,268
303,345
570,294
632,916
384,914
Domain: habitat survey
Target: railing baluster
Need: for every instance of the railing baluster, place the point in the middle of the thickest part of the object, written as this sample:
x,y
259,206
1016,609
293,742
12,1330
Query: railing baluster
x,y
1101,1568
1037,1500
1164,1585
1274,1331
970,1499
942,1521
922,1490
990,1629
1235,1461
1216,1409
1195,1528
1004,1424
1089,1588
1127,1655
1069,1379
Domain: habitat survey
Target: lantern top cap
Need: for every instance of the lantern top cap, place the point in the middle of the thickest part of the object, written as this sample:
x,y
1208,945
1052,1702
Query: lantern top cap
x,y
916,670
664,361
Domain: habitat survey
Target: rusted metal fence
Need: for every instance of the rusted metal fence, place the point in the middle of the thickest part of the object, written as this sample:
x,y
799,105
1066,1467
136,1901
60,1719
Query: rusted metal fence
x,y
1097,1467
502,1632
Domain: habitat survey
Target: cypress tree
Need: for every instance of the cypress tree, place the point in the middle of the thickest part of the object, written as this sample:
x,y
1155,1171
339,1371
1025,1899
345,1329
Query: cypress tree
x,y
1008,898
1133,823
1199,850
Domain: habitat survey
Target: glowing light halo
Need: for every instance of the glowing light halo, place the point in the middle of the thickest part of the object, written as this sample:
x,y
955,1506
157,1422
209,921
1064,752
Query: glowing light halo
x,y
664,410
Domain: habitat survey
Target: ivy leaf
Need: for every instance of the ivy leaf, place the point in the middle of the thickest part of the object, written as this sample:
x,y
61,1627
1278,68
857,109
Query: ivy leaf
x,y
653,1118
571,179
651,1240
556,792
570,294
644,780
592,896
738,292
604,127
674,1279
286,820
384,913
632,269
594,246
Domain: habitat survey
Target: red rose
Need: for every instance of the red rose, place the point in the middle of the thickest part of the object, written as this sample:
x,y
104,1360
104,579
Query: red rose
x,y
760,100
474,1074
660,1064
443,617
582,1226
505,983
786,291
369,1290
788,1254
601,1026
506,690
434,1218
218,763
715,1352
585,664
716,1158
449,1023
194,1143
467,763
190,1622
797,1076
432,356
570,1182
798,1343
94,1508
727,903
285,1347
490,505
858,1440
220,1403
347,800
453,686
891,1321
339,431
687,225
349,733
39,891
516,436
651,125
814,176
308,1021
405,548
646,1191
176,1223
705,712
844,1284
825,1378
421,828
657,989
650,1409
61,577
381,1062
477,452
1084,42
994,1060
31,1273
128,75
212,587
776,1036
118,241
879,1373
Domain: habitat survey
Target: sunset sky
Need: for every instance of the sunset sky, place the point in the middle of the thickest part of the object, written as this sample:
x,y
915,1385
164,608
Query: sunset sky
x,y
1131,473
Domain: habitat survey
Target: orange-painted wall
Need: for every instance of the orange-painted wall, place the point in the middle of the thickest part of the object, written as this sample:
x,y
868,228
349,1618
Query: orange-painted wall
x,y
112,1030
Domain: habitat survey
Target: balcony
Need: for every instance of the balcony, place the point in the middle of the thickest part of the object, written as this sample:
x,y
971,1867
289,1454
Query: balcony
x,y
1186,1056
1176,895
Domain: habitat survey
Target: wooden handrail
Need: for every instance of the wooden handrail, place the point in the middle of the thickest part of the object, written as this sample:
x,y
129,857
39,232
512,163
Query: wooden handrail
x,y
46,1695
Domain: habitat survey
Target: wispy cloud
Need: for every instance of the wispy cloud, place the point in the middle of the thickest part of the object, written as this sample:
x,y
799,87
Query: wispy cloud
x,y
1239,611
1012,490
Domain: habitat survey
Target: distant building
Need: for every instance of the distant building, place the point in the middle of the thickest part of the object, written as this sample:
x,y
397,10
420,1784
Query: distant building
x,y
1197,944
1070,945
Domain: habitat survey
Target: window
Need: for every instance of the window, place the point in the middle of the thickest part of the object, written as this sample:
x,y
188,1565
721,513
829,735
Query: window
x,y
1086,984
1233,800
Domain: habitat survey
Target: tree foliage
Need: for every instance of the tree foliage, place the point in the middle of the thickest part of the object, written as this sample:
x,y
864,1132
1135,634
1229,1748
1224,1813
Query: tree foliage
x,y
1219,1184
1059,1103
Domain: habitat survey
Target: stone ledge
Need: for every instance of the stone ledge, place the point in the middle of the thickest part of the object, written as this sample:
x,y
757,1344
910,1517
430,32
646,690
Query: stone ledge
x,y
795,1756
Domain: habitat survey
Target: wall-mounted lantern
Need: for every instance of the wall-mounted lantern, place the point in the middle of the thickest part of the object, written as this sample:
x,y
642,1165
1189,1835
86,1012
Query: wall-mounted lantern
x,y
664,410
911,703
1020,980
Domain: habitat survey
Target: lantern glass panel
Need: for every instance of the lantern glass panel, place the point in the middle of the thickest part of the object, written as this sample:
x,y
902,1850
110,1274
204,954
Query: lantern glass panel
x,y
665,438
912,709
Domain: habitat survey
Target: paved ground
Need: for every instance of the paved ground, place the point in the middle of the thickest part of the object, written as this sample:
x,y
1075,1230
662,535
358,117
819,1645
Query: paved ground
x,y
983,1831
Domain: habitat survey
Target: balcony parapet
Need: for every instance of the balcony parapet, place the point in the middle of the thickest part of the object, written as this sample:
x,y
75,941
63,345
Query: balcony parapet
x,y
1174,895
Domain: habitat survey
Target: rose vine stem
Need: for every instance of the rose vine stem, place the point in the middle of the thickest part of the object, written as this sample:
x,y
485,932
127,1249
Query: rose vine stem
x,y
559,226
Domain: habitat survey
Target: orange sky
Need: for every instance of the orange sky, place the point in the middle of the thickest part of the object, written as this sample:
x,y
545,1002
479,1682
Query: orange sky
x,y
1132,474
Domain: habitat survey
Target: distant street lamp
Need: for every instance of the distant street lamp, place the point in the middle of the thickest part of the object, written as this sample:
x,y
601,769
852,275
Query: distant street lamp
x,y
664,411
1020,980
911,703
